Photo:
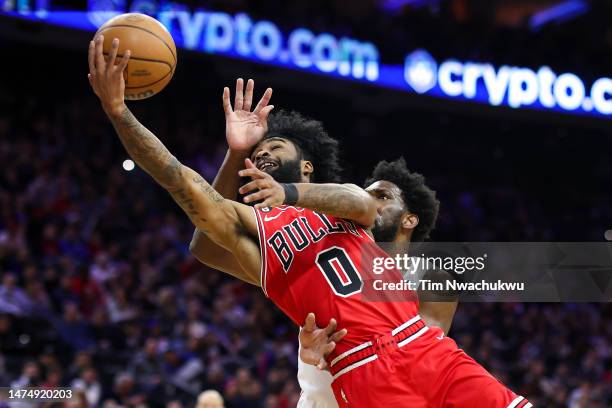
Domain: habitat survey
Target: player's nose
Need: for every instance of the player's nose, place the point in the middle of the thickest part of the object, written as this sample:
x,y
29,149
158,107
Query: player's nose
x,y
262,153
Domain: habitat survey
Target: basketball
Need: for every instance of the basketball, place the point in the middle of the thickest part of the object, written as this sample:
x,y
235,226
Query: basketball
x,y
153,53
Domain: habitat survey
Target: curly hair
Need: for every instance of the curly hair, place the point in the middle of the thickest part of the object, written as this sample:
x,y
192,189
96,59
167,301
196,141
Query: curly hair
x,y
312,142
418,198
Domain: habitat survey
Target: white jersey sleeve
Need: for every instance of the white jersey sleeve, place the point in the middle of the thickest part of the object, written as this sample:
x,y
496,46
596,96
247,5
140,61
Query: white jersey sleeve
x,y
316,387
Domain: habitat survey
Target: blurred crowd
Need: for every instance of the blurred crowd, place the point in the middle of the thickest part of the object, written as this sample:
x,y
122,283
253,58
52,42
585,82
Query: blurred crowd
x,y
98,290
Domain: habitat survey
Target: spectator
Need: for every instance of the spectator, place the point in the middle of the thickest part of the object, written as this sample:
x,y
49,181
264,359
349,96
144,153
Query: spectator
x,y
30,376
88,383
13,299
210,399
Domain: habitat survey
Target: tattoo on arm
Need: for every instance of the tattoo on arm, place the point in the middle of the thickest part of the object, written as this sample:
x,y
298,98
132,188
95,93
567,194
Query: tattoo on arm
x,y
207,188
185,199
329,199
187,203
147,150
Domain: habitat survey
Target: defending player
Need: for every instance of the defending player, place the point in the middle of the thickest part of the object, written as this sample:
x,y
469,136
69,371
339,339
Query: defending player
x,y
388,352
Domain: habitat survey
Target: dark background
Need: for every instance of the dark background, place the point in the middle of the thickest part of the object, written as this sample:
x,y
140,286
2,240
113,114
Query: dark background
x,y
68,207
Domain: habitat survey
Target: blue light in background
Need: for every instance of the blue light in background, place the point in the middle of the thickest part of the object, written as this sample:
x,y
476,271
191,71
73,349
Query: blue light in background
x,y
325,54
559,13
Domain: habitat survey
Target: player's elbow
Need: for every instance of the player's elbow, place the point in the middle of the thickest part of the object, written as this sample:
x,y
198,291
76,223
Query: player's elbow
x,y
197,246
216,227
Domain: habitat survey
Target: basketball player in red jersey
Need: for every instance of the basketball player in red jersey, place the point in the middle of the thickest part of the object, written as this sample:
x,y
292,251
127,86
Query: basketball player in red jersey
x,y
294,253
244,130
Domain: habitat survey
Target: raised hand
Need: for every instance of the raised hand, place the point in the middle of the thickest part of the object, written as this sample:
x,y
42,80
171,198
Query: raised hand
x,y
106,77
243,128
318,343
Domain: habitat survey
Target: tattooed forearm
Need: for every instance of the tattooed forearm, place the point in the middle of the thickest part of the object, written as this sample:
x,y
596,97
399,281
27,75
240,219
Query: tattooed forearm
x,y
342,201
325,198
147,150
185,201
188,204
207,188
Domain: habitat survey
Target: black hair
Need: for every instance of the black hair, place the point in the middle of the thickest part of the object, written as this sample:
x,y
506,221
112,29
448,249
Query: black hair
x,y
312,142
418,198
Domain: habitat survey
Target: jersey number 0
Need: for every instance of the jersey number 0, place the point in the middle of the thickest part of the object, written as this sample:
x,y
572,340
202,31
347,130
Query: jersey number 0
x,y
339,271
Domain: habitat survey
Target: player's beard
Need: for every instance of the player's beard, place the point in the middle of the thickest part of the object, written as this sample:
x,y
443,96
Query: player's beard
x,y
385,230
288,172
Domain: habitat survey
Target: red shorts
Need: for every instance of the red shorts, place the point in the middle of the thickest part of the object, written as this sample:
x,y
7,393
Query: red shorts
x,y
423,368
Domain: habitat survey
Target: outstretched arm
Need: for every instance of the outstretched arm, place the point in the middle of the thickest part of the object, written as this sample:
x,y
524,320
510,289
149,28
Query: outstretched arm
x,y
229,224
340,200
244,129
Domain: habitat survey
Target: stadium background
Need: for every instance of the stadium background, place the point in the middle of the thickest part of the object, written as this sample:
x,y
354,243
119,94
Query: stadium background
x,y
98,287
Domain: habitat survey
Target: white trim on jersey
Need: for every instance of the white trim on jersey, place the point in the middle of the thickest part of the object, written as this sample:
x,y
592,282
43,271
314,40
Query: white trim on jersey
x,y
349,352
413,337
516,401
403,326
261,236
374,356
355,365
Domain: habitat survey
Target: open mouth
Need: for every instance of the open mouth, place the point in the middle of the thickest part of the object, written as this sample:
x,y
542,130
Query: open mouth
x,y
267,165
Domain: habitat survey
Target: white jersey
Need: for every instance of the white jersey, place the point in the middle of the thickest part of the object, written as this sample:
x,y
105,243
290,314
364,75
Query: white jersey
x,y
316,387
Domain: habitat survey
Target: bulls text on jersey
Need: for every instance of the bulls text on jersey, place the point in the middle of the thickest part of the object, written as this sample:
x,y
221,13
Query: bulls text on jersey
x,y
299,233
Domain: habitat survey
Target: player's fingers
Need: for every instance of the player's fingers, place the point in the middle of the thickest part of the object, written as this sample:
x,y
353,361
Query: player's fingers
x,y
239,98
248,163
263,114
339,335
248,95
331,327
112,56
328,348
257,184
322,364
100,63
263,102
253,173
268,202
124,61
91,57
311,322
227,106
259,195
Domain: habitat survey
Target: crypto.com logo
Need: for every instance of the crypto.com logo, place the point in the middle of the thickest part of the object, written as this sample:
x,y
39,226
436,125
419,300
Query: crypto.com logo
x,y
507,85
421,71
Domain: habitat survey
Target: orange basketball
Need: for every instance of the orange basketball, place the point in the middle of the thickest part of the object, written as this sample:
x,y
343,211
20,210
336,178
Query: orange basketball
x,y
153,53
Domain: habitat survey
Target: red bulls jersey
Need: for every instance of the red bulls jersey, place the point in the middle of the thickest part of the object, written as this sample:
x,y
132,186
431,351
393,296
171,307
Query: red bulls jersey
x,y
317,263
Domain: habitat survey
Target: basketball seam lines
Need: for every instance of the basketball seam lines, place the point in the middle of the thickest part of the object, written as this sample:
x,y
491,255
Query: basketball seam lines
x,y
142,59
145,30
148,60
152,83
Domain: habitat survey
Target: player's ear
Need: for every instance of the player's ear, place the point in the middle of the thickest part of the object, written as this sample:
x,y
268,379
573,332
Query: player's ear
x,y
410,221
307,169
